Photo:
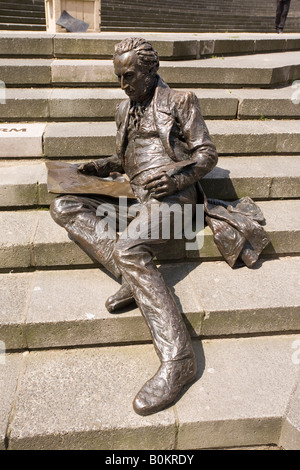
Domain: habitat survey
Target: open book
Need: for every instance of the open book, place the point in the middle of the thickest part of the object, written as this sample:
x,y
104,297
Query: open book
x,y
64,178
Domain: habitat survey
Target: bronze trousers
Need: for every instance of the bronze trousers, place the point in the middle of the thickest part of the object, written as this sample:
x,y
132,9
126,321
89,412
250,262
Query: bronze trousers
x,y
130,256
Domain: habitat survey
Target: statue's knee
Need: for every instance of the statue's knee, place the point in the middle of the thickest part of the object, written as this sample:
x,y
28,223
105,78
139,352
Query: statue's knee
x,y
58,209
121,251
55,208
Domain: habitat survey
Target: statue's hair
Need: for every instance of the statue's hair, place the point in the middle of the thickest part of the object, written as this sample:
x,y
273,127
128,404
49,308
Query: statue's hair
x,y
147,56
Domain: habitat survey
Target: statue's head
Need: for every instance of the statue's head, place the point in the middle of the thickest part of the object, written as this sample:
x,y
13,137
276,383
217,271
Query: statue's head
x,y
136,64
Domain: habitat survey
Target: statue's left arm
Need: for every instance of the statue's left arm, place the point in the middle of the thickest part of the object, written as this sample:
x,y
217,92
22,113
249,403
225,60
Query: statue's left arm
x,y
203,151
203,155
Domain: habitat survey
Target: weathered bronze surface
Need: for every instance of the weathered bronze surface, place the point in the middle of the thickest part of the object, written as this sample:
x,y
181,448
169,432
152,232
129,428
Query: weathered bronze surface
x,y
164,148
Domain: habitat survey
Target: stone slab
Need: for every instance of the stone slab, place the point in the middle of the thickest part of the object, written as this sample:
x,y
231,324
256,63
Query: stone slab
x,y
24,182
23,103
83,71
277,103
95,103
33,239
254,70
15,291
168,45
94,45
17,233
82,399
26,44
243,389
19,184
257,177
76,313
243,300
10,366
21,140
87,139
100,103
255,137
100,384
288,133
25,71
63,308
290,435
92,139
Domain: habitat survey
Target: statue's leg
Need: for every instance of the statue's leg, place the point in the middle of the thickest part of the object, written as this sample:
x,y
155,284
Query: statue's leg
x,y
171,339
77,214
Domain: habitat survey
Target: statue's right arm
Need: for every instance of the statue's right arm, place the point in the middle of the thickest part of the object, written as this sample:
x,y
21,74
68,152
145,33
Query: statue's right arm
x,y
102,167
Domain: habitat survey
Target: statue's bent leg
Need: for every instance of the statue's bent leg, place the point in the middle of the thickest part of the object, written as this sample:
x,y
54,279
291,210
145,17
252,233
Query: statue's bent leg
x,y
77,214
171,339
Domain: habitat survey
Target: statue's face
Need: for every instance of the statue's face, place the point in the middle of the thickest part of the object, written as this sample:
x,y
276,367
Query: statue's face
x,y
134,79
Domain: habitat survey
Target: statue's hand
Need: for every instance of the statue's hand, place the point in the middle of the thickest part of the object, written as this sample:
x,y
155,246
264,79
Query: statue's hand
x,y
161,185
90,168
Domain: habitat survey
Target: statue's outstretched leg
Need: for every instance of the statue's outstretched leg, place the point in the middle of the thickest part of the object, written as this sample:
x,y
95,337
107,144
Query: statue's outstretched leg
x,y
172,342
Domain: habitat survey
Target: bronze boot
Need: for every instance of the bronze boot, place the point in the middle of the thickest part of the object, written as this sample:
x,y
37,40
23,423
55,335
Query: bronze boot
x,y
165,386
120,299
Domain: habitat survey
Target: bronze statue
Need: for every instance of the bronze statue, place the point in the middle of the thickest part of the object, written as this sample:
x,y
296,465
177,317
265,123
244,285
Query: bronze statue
x,y
164,148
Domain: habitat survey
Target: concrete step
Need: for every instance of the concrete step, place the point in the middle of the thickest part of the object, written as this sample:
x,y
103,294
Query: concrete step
x,y
31,239
66,307
170,46
82,398
23,183
262,70
32,20
214,7
238,28
24,13
9,5
100,103
96,139
63,308
21,27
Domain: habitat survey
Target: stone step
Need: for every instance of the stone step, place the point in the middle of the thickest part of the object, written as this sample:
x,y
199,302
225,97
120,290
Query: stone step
x,y
24,13
96,139
62,308
31,239
190,20
238,28
169,45
262,70
62,104
23,183
214,7
13,6
24,2
21,27
82,398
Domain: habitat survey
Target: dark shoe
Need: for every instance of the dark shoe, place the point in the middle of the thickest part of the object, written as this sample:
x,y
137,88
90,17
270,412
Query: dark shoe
x,y
121,299
165,386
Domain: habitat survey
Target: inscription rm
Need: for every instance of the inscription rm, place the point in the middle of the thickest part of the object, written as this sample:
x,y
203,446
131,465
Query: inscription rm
x,y
5,129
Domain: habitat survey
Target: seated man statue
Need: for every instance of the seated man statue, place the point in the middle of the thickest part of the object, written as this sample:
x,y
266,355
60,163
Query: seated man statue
x,y
164,147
